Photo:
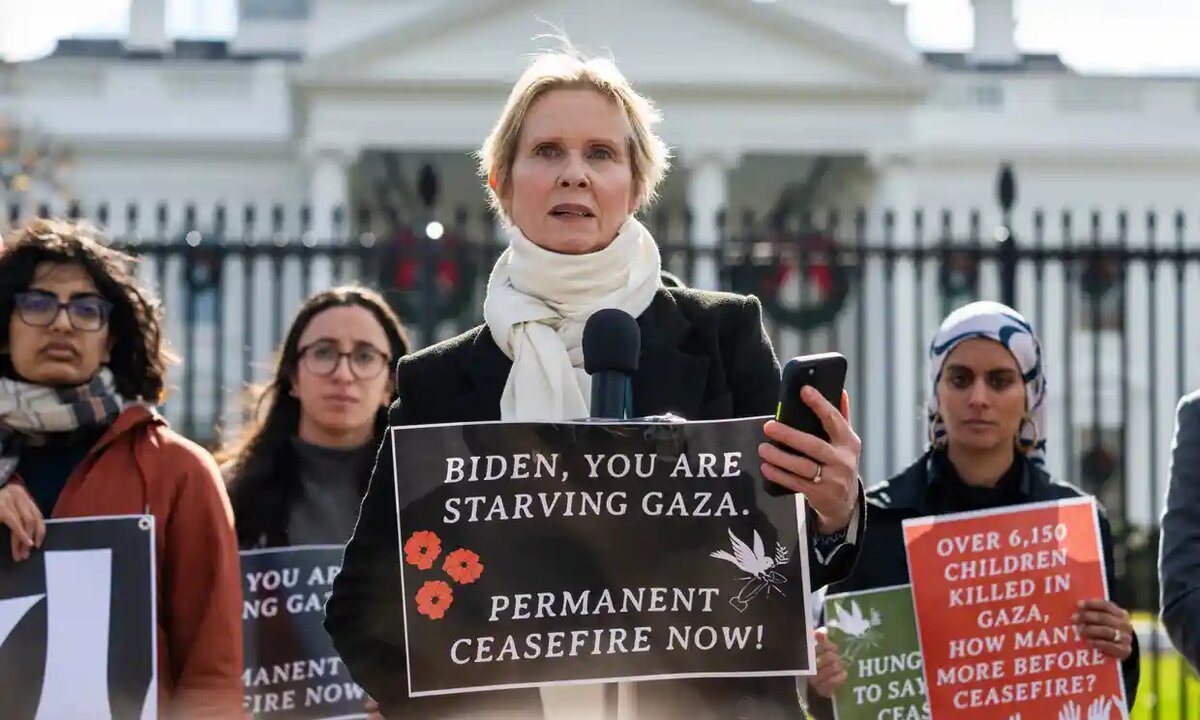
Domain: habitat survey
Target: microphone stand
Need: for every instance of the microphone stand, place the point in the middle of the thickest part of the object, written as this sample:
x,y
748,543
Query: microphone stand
x,y
612,400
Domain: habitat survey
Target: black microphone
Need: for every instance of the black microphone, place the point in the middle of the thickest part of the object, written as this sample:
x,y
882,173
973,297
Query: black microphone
x,y
612,341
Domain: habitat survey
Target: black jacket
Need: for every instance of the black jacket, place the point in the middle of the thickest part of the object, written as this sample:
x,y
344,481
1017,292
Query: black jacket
x,y
704,356
882,561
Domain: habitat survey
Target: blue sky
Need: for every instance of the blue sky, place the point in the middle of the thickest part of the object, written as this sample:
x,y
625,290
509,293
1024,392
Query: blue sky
x,y
1125,36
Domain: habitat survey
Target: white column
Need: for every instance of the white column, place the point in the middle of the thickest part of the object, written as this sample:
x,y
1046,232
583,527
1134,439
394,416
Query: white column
x,y
894,184
329,189
148,26
893,355
995,32
707,195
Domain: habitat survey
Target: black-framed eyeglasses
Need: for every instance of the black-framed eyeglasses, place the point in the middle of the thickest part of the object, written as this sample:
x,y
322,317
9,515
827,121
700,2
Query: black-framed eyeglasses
x,y
323,357
40,308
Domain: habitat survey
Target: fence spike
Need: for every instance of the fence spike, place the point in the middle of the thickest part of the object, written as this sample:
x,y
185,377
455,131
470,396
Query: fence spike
x,y
220,219
161,220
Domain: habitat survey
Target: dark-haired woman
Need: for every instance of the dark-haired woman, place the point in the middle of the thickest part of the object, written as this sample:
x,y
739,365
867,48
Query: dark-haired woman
x,y
81,366
298,474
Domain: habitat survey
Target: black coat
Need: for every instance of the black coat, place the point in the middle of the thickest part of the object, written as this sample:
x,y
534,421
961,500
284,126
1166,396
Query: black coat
x,y
704,356
882,561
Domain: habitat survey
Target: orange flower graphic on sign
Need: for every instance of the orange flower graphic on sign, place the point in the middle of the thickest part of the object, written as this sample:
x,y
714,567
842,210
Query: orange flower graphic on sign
x,y
463,566
422,549
434,598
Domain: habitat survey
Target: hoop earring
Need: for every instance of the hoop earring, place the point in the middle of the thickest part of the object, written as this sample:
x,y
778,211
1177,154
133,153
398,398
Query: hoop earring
x,y
933,423
1036,436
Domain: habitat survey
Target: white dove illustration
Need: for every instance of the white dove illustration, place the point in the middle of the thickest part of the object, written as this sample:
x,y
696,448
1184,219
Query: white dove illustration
x,y
756,562
758,566
852,623
860,631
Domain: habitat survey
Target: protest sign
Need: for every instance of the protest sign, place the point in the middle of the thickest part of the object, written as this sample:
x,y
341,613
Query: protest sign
x,y
994,592
876,635
292,670
77,622
537,554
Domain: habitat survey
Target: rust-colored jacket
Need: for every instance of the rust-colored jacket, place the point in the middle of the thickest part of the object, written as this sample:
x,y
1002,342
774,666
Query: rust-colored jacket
x,y
140,464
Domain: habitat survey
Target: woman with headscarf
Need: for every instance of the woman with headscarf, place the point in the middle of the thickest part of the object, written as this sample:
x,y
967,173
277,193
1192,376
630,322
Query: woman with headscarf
x,y
571,160
986,417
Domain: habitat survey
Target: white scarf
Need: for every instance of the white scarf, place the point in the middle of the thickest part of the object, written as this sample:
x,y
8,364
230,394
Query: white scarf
x,y
537,304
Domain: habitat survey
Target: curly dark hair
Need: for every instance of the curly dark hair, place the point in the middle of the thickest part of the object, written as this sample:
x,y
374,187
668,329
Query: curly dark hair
x,y
260,463
139,357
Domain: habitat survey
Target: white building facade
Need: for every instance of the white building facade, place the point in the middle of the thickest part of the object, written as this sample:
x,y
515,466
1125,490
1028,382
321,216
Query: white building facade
x,y
302,106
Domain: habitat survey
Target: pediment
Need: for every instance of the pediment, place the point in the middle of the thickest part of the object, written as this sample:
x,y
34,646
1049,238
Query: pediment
x,y
677,43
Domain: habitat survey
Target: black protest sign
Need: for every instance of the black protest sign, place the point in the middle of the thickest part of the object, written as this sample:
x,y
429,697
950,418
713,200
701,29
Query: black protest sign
x,y
292,670
537,554
77,622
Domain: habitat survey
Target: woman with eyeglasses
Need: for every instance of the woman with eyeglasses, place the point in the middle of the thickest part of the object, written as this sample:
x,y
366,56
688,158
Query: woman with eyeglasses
x,y
82,365
298,473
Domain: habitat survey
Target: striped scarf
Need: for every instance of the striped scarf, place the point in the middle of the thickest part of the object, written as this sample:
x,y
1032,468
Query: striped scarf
x,y
28,413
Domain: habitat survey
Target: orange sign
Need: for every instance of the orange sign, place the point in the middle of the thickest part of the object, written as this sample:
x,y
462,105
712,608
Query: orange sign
x,y
994,592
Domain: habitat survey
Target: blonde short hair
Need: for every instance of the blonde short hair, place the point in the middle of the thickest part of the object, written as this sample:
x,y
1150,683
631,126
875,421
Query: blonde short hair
x,y
569,69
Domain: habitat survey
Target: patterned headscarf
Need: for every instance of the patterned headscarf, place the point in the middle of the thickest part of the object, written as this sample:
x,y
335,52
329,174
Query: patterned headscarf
x,y
28,412
1006,326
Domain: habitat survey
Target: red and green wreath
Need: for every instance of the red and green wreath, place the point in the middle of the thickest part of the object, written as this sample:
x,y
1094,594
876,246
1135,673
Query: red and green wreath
x,y
1099,465
1101,273
958,275
767,274
454,272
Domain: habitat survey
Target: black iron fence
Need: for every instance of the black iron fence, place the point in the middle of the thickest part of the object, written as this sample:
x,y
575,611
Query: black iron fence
x,y
1114,299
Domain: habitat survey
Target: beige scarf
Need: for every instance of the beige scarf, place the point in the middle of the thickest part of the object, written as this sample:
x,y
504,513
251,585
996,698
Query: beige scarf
x,y
537,304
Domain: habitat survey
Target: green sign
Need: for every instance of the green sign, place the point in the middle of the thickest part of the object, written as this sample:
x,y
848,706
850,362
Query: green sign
x,y
876,635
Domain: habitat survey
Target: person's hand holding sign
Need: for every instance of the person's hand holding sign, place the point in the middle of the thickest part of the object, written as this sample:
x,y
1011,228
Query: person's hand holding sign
x,y
372,708
824,472
830,672
20,513
1106,627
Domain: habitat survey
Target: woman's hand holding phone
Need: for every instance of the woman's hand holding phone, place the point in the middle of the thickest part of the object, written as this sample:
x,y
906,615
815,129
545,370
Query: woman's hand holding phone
x,y
820,457
833,493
